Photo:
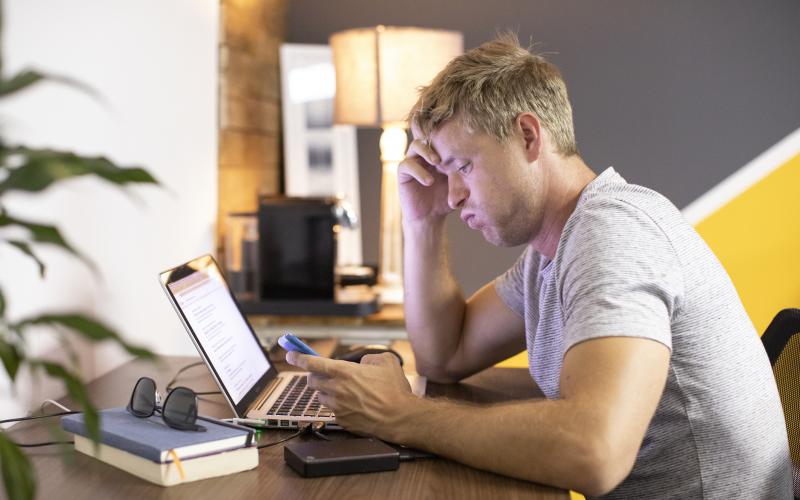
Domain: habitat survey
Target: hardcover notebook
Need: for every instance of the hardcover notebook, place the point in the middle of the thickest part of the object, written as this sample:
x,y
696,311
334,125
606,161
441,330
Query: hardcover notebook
x,y
146,447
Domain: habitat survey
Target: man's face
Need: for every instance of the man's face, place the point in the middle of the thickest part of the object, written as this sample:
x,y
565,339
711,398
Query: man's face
x,y
492,183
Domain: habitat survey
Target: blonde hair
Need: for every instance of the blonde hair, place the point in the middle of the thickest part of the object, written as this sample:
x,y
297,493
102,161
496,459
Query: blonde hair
x,y
489,86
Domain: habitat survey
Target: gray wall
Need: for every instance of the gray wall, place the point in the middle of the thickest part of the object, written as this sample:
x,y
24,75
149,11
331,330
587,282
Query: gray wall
x,y
675,94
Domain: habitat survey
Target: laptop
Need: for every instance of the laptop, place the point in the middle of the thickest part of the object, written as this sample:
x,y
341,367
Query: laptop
x,y
251,384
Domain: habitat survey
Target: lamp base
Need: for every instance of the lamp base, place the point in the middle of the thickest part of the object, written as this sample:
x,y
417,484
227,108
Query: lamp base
x,y
390,278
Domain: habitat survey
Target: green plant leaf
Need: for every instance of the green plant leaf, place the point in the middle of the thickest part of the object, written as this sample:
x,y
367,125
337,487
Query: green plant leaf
x,y
18,475
77,391
26,249
11,358
41,168
28,77
41,233
19,81
87,327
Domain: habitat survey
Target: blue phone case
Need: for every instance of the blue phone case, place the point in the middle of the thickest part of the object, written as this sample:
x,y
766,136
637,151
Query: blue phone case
x,y
292,343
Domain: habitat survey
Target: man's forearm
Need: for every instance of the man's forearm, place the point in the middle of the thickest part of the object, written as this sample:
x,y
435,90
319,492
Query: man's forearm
x,y
434,305
545,441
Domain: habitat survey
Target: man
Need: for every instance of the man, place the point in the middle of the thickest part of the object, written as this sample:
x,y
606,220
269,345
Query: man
x,y
657,385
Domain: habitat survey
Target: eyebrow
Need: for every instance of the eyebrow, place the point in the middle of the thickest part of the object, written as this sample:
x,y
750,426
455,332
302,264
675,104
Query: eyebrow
x,y
447,161
450,159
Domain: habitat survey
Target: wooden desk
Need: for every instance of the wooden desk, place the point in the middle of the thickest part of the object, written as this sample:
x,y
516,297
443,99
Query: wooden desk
x,y
74,475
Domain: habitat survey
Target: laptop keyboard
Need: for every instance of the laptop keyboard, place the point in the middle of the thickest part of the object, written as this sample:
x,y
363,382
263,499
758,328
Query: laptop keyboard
x,y
299,400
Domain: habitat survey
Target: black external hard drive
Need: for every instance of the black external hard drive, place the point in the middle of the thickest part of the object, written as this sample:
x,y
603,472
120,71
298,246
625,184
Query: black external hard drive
x,y
343,456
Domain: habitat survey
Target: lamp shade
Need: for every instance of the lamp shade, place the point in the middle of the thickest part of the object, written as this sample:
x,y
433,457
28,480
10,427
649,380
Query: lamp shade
x,y
378,70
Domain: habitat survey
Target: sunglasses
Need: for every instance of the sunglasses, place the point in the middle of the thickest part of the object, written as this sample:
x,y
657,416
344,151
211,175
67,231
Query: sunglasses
x,y
179,410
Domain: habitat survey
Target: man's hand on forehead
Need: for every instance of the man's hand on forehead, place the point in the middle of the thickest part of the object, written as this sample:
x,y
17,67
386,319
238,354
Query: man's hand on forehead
x,y
416,132
419,136
421,158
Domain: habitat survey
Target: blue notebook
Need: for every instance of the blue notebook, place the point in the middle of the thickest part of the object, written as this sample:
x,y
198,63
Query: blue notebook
x,y
153,439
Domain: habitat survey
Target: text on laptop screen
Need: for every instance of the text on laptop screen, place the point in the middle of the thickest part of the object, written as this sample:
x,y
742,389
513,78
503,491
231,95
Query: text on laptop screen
x,y
221,330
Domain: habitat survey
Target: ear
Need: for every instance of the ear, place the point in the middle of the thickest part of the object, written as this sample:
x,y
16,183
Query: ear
x,y
529,127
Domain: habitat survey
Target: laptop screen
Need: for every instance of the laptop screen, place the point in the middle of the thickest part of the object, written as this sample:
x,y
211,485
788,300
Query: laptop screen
x,y
218,326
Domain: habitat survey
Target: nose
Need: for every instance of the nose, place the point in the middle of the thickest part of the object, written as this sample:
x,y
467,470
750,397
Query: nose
x,y
457,192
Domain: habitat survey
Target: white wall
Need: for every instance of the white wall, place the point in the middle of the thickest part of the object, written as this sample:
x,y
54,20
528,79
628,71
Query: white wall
x,y
155,64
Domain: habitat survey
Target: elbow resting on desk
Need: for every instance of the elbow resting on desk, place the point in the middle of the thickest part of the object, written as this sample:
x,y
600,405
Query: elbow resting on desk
x,y
603,449
447,369
569,445
583,458
601,469
440,373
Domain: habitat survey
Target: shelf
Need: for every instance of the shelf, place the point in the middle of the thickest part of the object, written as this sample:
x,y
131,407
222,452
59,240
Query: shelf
x,y
310,308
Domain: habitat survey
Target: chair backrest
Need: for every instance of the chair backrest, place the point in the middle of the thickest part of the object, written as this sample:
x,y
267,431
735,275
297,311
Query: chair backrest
x,y
782,343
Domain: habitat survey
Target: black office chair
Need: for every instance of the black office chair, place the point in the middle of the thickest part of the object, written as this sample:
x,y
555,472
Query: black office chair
x,y
783,348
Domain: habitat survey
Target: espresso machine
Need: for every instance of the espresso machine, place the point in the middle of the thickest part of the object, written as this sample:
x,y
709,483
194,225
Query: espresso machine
x,y
289,265
297,247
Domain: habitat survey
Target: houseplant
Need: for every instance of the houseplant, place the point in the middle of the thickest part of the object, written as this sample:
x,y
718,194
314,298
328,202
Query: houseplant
x,y
30,170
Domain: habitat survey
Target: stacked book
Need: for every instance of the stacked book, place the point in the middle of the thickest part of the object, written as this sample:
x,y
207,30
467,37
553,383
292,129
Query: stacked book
x,y
148,448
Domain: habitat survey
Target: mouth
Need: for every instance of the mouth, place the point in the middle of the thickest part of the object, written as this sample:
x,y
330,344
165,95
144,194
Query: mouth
x,y
469,219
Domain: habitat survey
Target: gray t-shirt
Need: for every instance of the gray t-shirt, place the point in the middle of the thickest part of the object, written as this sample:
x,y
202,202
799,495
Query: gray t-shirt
x,y
629,265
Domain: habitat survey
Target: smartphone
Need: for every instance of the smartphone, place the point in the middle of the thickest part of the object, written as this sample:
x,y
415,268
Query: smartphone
x,y
292,343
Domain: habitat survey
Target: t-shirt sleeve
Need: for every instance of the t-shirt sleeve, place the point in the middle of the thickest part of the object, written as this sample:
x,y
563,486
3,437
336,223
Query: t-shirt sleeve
x,y
510,286
619,275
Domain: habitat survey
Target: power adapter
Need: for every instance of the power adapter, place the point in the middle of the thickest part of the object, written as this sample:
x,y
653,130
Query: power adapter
x,y
342,456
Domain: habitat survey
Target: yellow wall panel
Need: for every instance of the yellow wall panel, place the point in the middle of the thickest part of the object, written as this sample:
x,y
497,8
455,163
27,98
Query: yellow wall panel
x,y
518,361
756,236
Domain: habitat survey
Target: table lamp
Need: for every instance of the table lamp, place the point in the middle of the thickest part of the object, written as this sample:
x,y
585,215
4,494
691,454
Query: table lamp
x,y
378,71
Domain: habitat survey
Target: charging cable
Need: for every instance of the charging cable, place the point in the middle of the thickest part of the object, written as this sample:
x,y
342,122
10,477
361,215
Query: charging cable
x,y
316,429
304,427
66,411
180,371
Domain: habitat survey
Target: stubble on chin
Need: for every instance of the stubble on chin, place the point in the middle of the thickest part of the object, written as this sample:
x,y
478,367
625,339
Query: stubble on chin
x,y
510,237
492,236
